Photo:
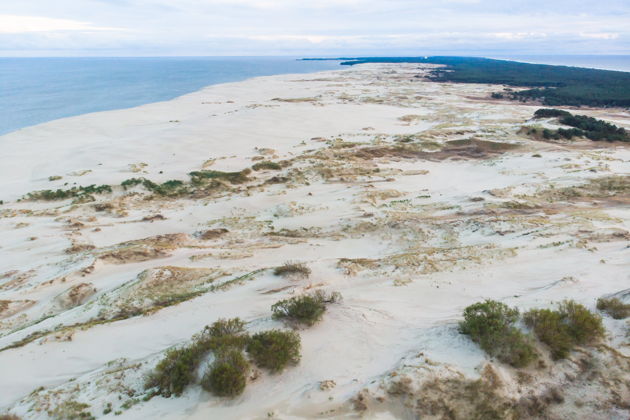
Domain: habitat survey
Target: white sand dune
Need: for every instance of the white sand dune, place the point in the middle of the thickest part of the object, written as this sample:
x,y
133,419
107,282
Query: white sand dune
x,y
409,240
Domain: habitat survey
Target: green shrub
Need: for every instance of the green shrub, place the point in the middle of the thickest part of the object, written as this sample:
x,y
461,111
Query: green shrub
x,y
274,349
131,182
177,370
305,309
614,307
549,328
200,177
179,366
226,335
491,325
584,326
227,376
550,113
224,327
292,269
79,192
266,165
562,329
169,188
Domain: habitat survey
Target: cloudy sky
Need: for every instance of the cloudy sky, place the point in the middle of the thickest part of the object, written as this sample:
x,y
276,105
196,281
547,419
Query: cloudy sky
x,y
312,27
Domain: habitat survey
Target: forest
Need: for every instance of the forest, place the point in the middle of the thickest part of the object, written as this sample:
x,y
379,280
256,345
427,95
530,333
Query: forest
x,y
549,85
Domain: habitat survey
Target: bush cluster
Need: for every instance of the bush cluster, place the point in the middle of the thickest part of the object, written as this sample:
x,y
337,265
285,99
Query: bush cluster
x,y
266,165
200,177
74,192
226,376
491,324
169,188
292,269
614,307
562,329
178,368
305,309
275,349
550,113
562,133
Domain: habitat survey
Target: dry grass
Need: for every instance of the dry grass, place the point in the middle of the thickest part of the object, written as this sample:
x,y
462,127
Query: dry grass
x,y
293,270
614,307
295,100
160,287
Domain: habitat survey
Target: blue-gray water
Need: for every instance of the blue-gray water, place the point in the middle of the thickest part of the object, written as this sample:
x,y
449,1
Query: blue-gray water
x,y
36,90
604,62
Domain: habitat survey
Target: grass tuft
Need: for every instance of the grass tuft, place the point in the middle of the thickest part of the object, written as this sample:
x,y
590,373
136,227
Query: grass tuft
x,y
292,269
614,307
305,309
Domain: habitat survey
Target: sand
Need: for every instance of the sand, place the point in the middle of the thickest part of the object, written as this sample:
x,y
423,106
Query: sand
x,y
409,228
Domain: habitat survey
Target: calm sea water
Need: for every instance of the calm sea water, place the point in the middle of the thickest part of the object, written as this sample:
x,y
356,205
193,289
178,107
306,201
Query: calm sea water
x,y
36,90
604,62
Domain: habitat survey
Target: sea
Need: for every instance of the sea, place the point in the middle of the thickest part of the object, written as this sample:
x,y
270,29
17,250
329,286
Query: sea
x,y
36,90
603,62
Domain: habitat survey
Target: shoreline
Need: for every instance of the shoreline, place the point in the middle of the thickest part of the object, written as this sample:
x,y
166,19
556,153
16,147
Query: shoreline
x,y
38,132
136,81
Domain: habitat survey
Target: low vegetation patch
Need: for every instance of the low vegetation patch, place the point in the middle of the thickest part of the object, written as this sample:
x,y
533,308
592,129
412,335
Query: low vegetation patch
x,y
305,309
267,165
84,193
491,325
275,349
562,329
201,177
169,188
71,409
614,307
295,100
292,269
226,376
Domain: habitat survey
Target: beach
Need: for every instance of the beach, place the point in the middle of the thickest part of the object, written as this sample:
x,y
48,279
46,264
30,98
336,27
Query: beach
x,y
412,199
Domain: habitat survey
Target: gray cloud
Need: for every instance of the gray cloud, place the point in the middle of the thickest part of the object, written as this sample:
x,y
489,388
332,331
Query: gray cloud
x,y
322,27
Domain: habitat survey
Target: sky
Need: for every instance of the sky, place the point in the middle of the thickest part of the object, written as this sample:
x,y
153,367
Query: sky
x,y
312,27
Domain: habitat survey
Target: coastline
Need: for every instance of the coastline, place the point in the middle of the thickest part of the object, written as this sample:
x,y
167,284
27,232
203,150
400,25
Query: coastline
x,y
409,227
66,87
164,113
